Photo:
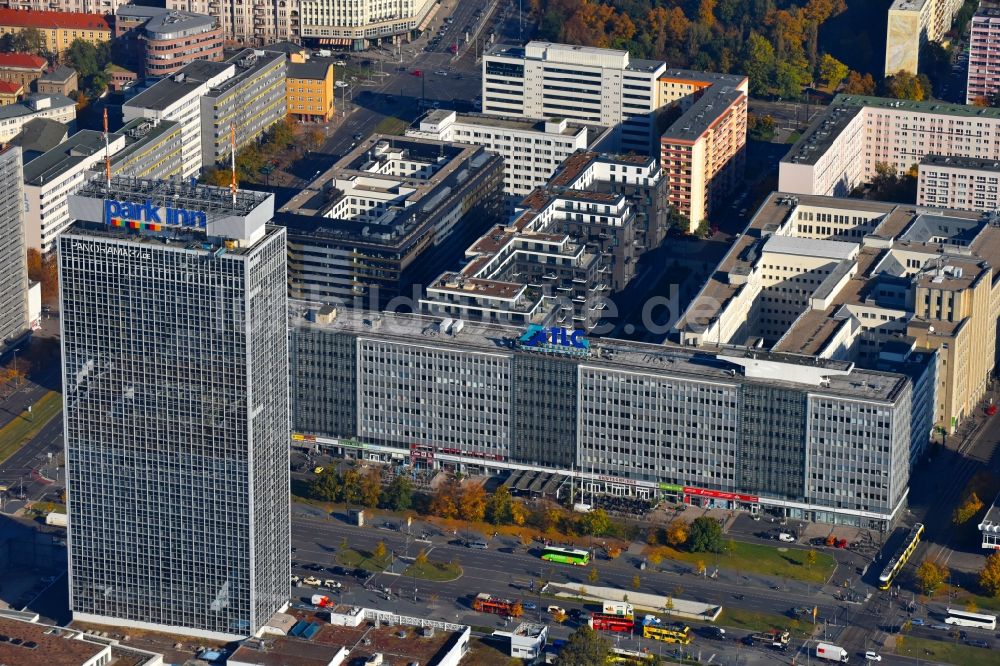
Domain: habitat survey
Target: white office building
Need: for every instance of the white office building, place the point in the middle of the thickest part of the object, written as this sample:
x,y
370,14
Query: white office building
x,y
532,150
960,183
54,107
580,83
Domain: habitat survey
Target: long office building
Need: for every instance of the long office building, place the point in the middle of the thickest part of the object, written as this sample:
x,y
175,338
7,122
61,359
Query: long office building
x,y
784,434
866,282
568,248
841,148
141,148
13,253
910,25
580,83
208,99
532,149
983,78
387,218
703,152
175,375
358,24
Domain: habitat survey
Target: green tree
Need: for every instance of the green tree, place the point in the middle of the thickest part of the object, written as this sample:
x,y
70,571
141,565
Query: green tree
x,y
593,575
352,491
989,576
327,487
831,70
281,135
759,64
706,535
789,79
398,495
930,575
380,550
585,647
28,40
500,507
594,522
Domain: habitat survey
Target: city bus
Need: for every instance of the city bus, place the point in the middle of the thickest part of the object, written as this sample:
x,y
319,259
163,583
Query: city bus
x,y
899,559
566,555
967,619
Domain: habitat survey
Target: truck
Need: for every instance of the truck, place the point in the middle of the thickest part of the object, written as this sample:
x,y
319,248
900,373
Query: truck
x,y
776,639
56,518
831,652
620,608
486,603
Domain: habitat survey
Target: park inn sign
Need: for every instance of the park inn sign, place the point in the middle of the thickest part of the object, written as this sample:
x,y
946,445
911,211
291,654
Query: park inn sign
x,y
116,211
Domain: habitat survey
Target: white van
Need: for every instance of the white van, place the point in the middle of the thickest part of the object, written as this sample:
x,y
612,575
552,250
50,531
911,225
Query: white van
x,y
786,537
479,545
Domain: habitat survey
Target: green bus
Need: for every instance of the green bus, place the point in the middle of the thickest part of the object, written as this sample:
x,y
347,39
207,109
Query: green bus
x,y
566,555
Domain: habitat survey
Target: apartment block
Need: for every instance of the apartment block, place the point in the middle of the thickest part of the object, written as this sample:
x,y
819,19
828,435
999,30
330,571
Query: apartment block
x,y
532,149
840,149
14,316
912,23
387,218
58,28
60,81
584,84
703,152
159,42
248,23
960,183
358,24
309,90
568,248
22,68
208,98
141,148
777,434
983,79
865,282
188,486
13,117
251,100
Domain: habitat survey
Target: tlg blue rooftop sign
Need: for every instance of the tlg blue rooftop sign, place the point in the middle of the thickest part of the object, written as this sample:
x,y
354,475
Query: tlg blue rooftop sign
x,y
555,339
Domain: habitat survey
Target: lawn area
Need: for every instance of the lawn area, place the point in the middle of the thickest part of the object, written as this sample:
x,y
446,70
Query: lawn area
x,y
754,621
391,125
349,557
436,571
16,433
947,652
793,137
758,559
960,597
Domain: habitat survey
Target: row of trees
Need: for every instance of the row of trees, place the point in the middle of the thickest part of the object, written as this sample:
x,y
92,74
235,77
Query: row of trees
x,y
362,488
778,48
254,157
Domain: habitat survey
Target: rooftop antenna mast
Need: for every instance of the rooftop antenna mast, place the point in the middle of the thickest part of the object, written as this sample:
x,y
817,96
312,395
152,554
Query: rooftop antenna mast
x,y
107,150
232,161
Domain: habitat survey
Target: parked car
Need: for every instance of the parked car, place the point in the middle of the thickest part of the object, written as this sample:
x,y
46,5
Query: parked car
x,y
978,643
872,655
552,610
296,580
917,622
529,605
312,580
331,584
338,571
361,573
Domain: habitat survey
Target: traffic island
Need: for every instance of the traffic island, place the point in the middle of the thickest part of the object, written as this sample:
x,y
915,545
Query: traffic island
x,y
439,572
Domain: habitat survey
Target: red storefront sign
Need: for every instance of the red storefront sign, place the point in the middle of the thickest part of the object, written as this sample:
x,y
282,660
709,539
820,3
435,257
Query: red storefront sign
x,y
717,494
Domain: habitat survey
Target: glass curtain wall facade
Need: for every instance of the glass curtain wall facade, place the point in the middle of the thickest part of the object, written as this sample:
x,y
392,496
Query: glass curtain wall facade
x,y
176,419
